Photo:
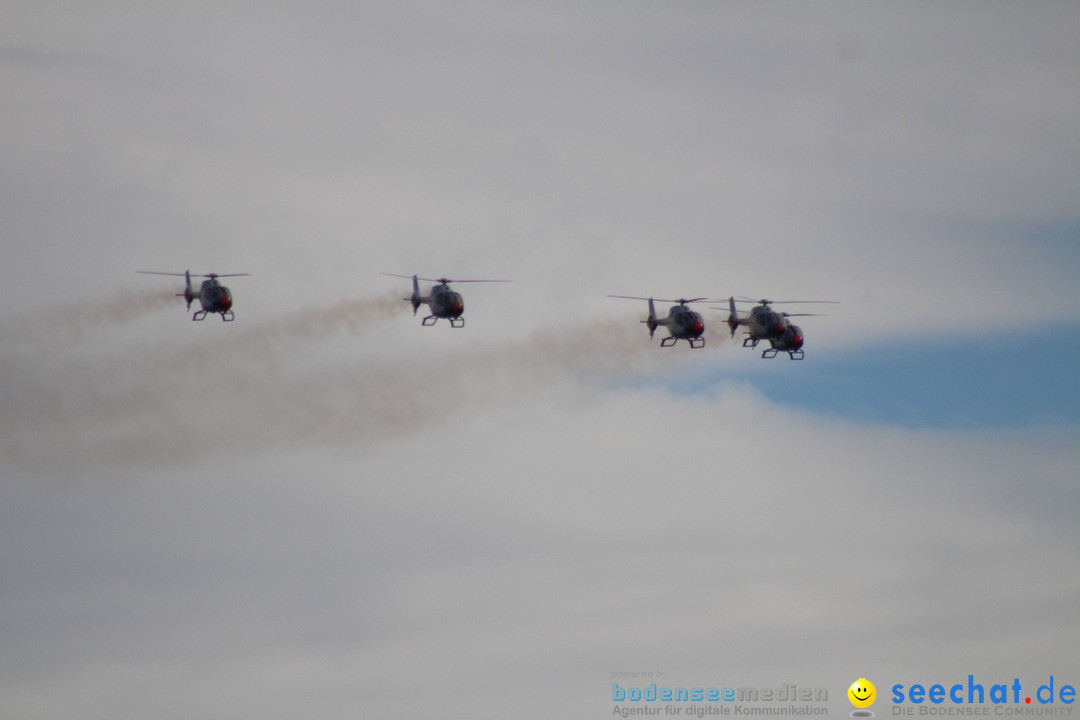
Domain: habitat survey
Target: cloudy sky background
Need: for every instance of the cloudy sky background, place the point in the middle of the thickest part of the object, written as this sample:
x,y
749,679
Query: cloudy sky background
x,y
324,510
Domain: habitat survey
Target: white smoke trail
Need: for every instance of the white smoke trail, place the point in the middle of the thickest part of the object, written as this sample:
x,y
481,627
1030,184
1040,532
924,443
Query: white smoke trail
x,y
164,404
63,325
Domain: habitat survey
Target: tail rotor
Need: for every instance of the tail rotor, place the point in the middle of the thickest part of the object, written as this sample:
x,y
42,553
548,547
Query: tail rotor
x,y
188,294
415,297
651,321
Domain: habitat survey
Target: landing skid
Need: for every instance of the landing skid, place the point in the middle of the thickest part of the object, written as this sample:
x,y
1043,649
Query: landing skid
x,y
457,322
694,342
225,316
793,354
751,342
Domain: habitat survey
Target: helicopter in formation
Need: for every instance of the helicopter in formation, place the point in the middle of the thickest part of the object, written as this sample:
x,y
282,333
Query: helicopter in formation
x,y
761,323
443,302
765,323
213,296
682,322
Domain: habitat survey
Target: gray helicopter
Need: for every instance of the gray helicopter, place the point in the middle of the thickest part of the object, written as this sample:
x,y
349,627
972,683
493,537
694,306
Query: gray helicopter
x,y
682,322
443,302
765,323
213,296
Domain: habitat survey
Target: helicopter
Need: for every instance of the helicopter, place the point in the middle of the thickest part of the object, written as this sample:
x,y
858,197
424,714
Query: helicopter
x,y
213,296
441,300
682,322
764,323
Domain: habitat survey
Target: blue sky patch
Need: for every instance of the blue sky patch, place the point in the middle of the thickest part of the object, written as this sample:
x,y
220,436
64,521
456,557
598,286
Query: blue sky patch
x,y
1009,380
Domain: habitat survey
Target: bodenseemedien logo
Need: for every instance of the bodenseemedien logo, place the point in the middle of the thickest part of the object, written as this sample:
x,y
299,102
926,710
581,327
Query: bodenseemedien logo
x,y
700,701
862,695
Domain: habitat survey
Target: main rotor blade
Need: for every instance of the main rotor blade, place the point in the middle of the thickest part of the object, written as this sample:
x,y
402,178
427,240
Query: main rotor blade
x,y
763,301
445,280
680,301
206,275
441,280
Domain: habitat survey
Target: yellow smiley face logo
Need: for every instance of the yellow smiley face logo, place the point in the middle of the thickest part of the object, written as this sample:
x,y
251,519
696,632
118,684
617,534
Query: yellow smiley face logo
x,y
862,693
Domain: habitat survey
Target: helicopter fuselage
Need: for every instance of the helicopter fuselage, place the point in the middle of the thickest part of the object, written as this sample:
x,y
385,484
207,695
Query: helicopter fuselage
x,y
766,324
445,303
215,297
790,341
683,323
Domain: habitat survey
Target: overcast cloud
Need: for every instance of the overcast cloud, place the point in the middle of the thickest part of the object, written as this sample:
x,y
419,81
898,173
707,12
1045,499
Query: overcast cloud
x,y
325,510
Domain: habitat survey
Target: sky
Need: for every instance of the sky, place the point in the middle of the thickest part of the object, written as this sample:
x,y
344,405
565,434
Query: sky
x,y
324,509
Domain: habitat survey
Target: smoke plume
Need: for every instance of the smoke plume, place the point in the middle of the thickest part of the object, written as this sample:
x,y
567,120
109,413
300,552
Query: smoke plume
x,y
165,403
